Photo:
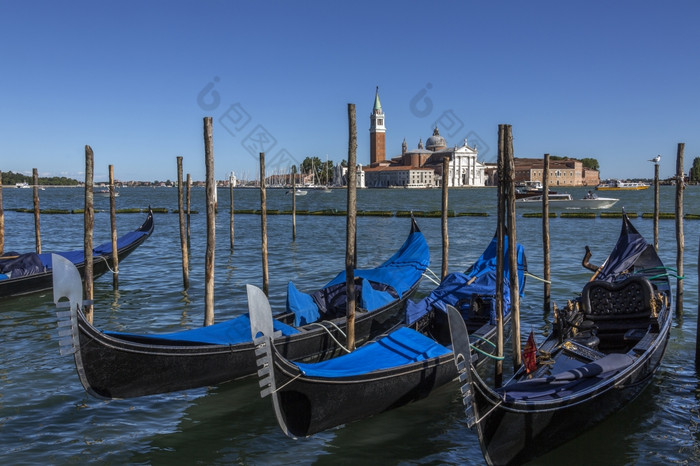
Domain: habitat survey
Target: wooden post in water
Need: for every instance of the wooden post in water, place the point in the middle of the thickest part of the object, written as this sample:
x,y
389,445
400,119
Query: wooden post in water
x,y
294,202
445,234
498,378
656,206
211,223
113,226
263,225
35,189
188,192
512,247
231,182
183,233
545,236
2,221
89,224
680,239
351,228
697,327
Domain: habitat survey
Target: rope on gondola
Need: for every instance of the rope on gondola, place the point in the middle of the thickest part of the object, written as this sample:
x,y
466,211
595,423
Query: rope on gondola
x,y
528,274
434,277
479,350
330,334
107,263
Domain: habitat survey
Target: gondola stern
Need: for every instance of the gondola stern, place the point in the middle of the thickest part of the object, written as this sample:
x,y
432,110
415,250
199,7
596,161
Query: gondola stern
x,y
463,360
262,333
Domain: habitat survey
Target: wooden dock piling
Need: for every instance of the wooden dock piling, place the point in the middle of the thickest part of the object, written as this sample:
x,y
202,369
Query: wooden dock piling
x,y
2,220
680,239
545,237
263,225
500,232
37,229
89,224
113,228
656,207
294,202
183,233
512,247
188,192
445,209
211,223
231,182
351,228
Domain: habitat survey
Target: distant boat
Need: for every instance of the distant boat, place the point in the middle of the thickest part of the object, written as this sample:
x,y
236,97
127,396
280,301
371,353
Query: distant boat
x,y
617,185
298,192
105,192
530,189
565,201
22,185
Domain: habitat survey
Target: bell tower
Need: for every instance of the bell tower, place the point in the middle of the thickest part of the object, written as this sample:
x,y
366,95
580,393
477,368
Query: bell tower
x,y
377,133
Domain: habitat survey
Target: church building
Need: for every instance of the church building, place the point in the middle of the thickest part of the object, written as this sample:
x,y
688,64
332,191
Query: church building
x,y
420,167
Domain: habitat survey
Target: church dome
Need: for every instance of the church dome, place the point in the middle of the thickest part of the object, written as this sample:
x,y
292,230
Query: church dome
x,y
435,142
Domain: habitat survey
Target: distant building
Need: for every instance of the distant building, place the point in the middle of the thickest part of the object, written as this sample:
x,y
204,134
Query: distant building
x,y
340,176
420,167
569,172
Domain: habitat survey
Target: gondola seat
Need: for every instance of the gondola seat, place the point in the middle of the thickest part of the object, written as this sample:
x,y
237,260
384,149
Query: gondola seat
x,y
617,309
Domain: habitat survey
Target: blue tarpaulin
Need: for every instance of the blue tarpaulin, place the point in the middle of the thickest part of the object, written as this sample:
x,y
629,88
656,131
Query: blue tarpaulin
x,y
404,346
457,291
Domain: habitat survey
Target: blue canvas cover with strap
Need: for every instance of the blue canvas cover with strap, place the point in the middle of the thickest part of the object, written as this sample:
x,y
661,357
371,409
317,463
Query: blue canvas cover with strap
x,y
374,287
404,346
457,291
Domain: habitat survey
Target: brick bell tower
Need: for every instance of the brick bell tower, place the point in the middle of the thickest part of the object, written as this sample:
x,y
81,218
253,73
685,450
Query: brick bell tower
x,y
377,130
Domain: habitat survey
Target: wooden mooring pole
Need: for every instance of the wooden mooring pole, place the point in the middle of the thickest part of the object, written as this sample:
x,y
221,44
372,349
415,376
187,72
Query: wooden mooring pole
x,y
294,202
545,237
231,183
89,224
697,327
656,206
188,191
211,223
512,248
37,229
263,225
500,227
2,221
113,227
351,228
445,234
183,233
680,239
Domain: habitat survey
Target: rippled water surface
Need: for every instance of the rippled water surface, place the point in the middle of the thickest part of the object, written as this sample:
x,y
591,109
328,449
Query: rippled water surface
x,y
46,416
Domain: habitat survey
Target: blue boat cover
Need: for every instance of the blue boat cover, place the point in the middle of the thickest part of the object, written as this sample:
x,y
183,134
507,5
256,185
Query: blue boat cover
x,y
77,256
402,347
630,245
230,332
568,382
379,286
456,290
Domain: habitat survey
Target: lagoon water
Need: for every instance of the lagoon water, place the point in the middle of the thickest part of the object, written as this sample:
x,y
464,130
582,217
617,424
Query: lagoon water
x,y
47,418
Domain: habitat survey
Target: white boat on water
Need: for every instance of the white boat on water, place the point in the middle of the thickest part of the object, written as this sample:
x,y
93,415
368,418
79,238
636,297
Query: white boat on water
x,y
565,201
617,185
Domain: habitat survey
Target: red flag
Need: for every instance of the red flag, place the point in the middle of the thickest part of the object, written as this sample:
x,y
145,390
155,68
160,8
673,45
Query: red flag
x,y
530,353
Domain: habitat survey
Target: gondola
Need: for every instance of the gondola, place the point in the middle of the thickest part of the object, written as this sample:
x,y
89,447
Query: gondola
x,y
122,365
604,349
31,272
403,366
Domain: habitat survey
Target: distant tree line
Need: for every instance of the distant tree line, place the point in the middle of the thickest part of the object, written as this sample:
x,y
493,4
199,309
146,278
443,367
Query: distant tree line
x,y
695,171
10,178
587,162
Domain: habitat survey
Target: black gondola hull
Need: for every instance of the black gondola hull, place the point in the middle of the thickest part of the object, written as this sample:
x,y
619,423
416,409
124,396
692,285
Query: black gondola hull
x,y
112,367
101,264
514,433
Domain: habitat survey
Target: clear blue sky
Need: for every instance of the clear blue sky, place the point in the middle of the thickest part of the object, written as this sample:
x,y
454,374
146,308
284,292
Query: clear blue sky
x,y
617,81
